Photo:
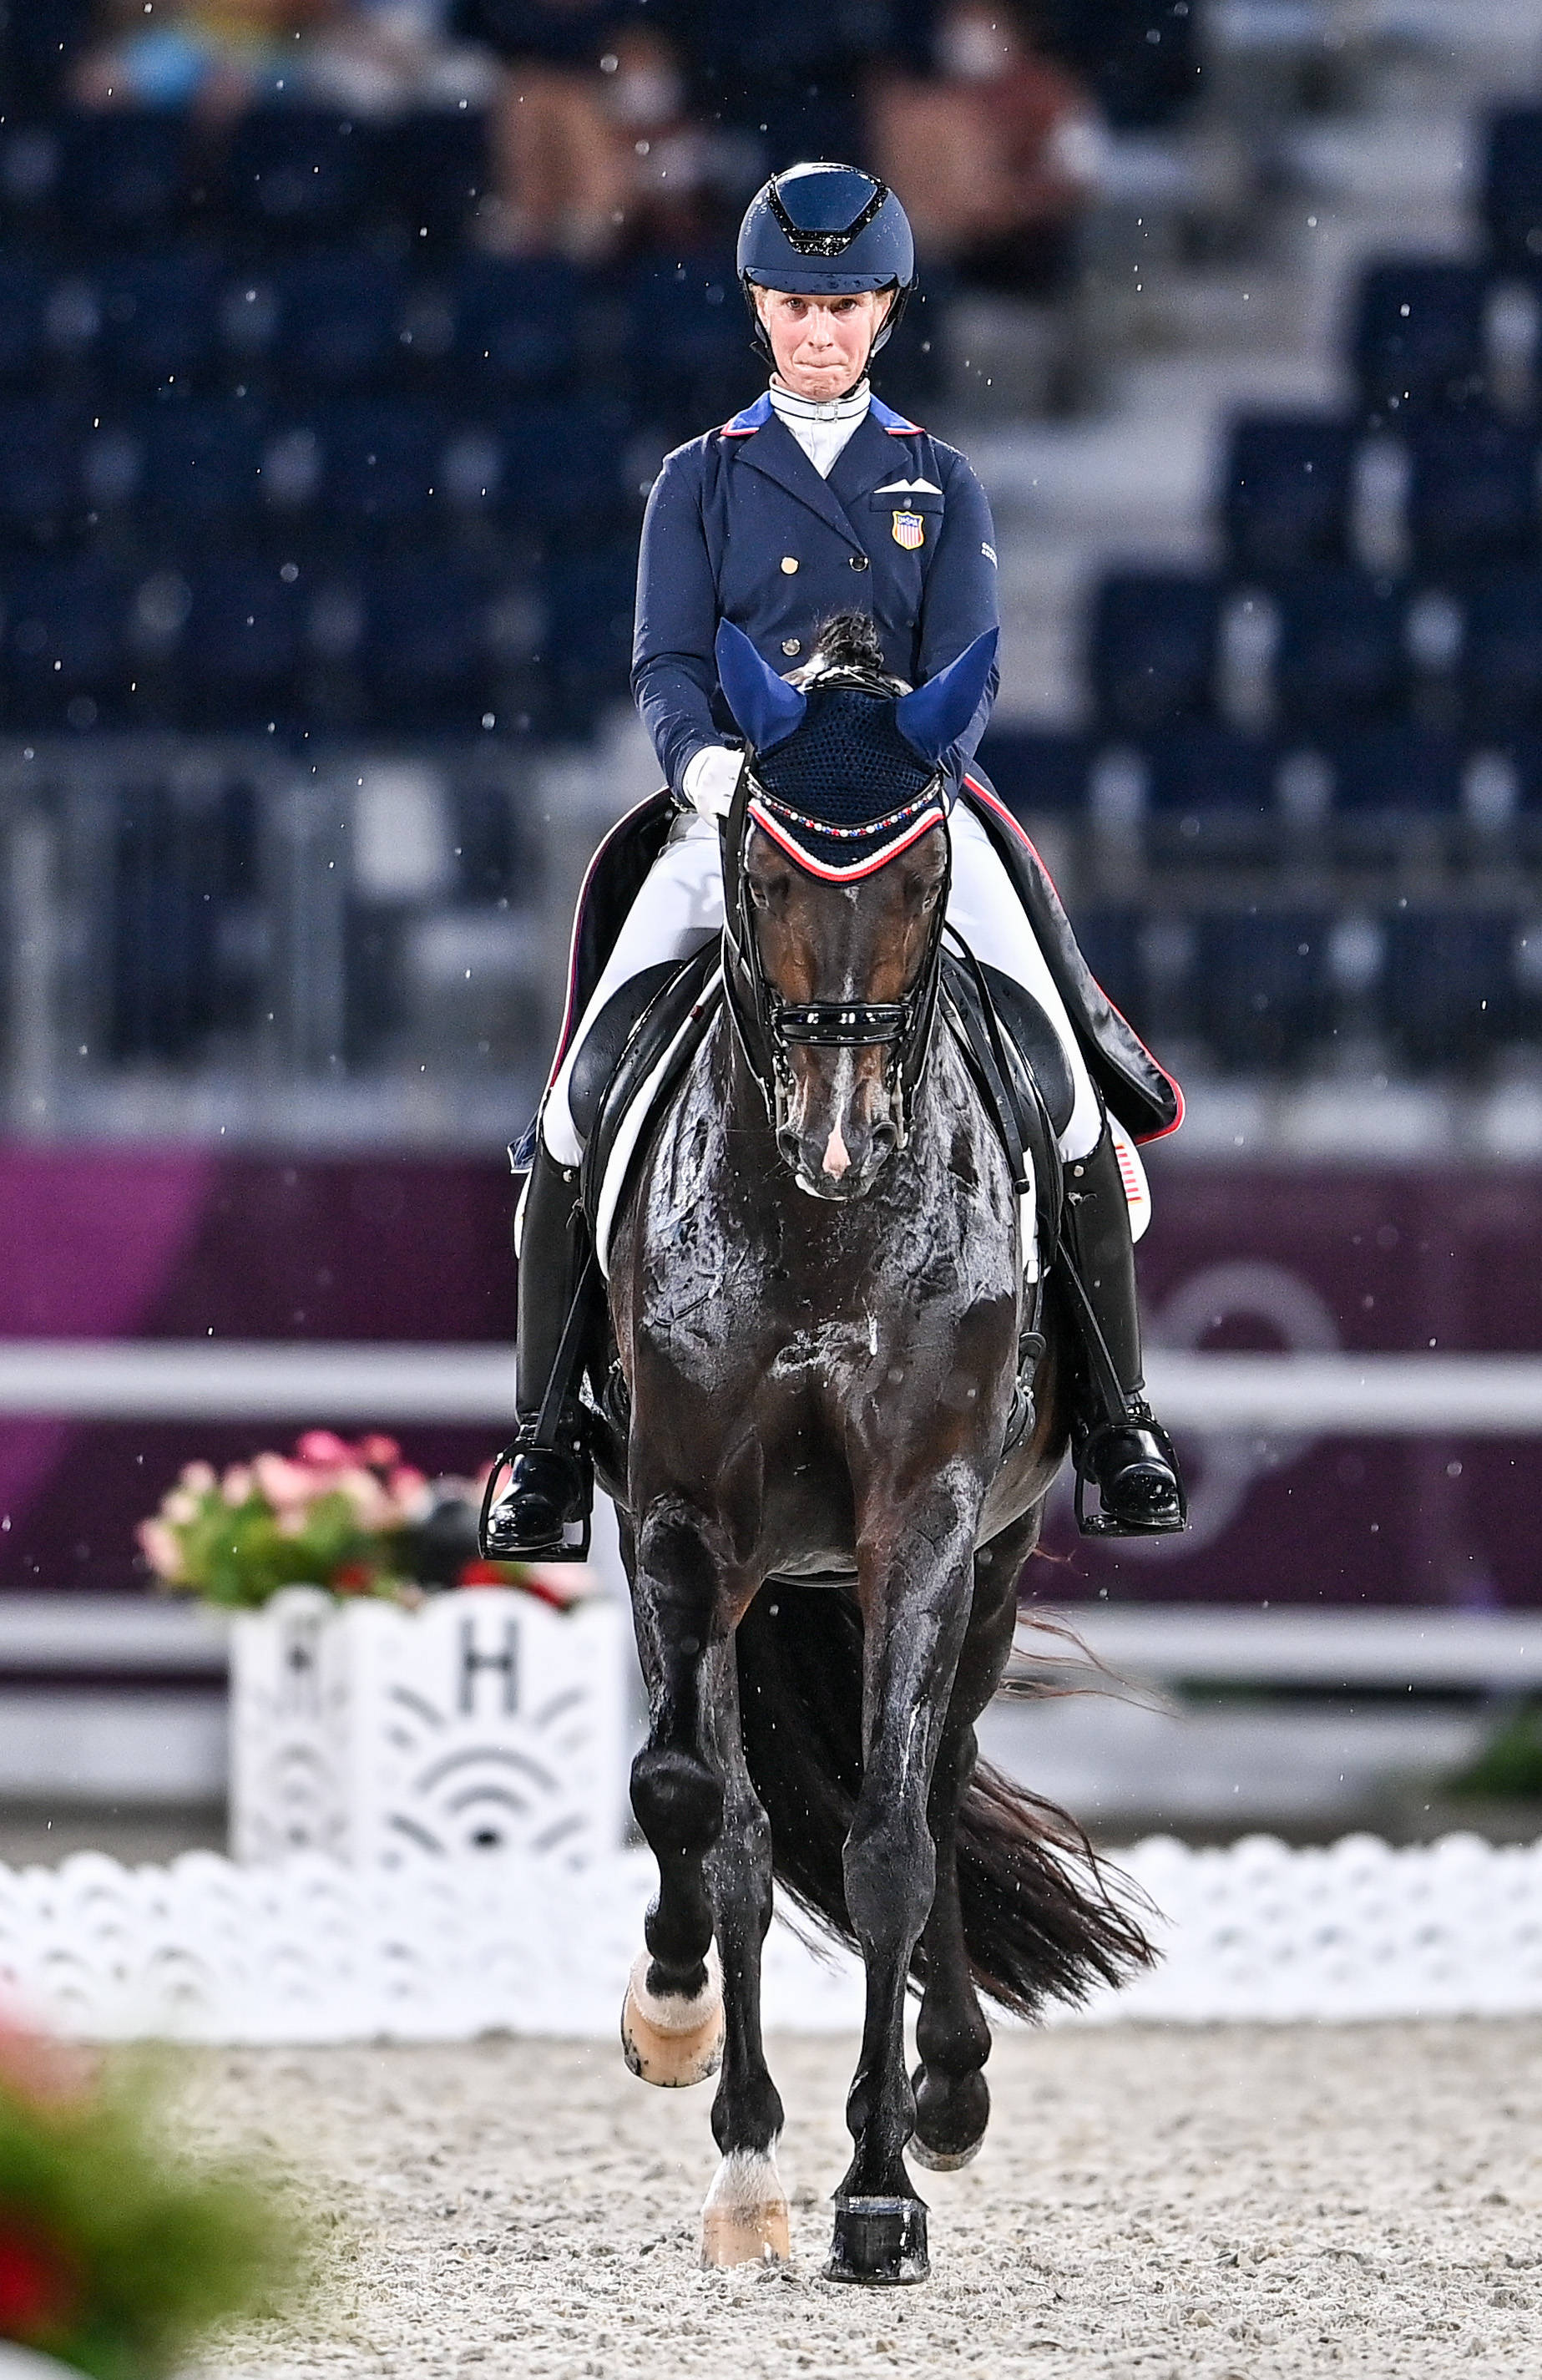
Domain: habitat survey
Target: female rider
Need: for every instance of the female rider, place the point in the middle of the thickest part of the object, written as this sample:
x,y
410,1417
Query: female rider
x,y
817,499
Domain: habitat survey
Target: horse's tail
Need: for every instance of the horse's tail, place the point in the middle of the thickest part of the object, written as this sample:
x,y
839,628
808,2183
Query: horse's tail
x,y
1041,1916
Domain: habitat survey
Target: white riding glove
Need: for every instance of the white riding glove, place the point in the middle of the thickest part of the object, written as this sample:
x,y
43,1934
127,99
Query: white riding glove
x,y
711,777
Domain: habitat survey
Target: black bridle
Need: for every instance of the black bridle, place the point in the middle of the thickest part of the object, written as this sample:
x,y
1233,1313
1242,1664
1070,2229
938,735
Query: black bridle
x,y
769,1027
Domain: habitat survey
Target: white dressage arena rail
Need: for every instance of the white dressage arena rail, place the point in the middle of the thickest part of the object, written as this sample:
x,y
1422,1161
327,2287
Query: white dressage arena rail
x,y
446,1949
169,1380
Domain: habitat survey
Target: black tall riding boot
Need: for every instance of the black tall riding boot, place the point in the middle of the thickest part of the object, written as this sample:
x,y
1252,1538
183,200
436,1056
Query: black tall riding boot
x,y
1119,1446
542,1511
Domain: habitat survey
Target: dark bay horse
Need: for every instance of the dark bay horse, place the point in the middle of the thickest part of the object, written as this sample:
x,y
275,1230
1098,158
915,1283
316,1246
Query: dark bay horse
x,y
817,1294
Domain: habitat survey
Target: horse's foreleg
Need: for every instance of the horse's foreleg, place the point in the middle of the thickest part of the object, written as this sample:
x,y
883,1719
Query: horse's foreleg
x,y
744,2219
952,2101
672,2023
916,1589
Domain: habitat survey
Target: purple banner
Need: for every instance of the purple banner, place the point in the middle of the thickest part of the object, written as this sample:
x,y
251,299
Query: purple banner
x,y
115,1243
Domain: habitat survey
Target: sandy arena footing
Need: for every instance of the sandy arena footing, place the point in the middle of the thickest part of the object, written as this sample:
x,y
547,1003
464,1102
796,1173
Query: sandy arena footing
x,y
1229,2203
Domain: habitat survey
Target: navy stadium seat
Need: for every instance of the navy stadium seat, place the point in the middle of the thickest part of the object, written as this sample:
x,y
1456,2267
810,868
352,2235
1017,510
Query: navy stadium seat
x,y
1286,492
1397,773
1264,995
690,345
239,644
550,467
427,653
330,319
381,464
66,660
24,342
1142,58
1452,985
41,495
589,647
158,318
1036,773
1153,649
1341,662
169,881
1513,188
203,465
516,322
1109,940
296,171
1420,340
430,167
1473,495
124,173
1501,652
1211,772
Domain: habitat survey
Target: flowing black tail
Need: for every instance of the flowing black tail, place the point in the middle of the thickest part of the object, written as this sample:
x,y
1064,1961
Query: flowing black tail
x,y
1039,1917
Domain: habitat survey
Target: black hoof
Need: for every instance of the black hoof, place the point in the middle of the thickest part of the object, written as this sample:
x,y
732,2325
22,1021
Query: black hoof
x,y
880,2241
951,2112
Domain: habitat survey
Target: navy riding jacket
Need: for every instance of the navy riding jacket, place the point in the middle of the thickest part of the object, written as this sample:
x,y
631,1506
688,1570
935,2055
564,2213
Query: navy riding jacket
x,y
741,527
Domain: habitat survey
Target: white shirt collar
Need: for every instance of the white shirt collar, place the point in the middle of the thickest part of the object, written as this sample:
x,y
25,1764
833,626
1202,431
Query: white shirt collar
x,y
822,430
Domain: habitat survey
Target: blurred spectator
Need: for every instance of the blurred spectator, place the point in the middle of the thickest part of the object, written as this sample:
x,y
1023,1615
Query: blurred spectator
x,y
608,155
213,56
996,157
218,57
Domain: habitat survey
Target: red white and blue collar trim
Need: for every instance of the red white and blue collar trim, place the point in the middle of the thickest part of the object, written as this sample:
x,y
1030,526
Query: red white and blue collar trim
x,y
841,855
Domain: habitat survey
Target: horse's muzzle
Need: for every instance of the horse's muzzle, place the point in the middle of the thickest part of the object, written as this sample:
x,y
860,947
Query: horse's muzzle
x,y
840,1162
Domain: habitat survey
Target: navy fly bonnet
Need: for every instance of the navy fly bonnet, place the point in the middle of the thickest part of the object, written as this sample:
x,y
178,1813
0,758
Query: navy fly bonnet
x,y
846,773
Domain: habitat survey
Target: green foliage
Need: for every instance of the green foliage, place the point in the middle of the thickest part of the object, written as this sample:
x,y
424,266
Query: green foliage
x,y
238,1556
116,2255
1508,1767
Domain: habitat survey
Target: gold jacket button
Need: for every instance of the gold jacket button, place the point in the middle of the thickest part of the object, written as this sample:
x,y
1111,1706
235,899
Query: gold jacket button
x,y
789,563
857,561
791,645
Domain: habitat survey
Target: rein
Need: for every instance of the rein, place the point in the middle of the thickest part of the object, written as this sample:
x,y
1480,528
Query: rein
x,y
768,1027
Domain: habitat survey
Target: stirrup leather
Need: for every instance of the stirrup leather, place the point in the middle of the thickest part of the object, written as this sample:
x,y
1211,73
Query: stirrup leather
x,y
1137,1416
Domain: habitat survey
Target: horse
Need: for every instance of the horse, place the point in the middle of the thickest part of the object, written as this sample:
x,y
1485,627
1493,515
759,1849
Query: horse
x,y
817,1312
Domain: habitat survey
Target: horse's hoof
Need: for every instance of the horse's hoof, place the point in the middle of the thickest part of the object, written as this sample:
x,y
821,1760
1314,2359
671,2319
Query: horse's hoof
x,y
951,2112
942,2160
880,2241
745,2218
669,2042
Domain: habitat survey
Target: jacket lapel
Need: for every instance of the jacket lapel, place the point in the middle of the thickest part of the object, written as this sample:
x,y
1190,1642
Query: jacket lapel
x,y
868,460
776,452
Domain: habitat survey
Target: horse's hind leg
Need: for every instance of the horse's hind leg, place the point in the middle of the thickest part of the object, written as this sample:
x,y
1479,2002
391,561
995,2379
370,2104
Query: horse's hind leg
x,y
744,2219
952,2101
672,2022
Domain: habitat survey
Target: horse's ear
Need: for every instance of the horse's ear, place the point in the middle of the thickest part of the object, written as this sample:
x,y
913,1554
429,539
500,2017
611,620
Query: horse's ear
x,y
933,717
766,707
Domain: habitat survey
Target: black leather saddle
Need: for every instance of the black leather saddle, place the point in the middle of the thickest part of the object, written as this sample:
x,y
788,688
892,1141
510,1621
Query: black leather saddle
x,y
662,1012
1021,1072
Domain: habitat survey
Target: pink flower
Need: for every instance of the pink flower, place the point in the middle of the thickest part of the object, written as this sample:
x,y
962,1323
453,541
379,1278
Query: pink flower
x,y
179,1507
197,1478
236,1485
285,1484
409,1492
371,1506
378,1453
161,1549
325,1450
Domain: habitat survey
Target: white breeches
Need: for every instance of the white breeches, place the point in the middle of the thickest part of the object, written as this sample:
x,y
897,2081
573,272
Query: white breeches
x,y
680,906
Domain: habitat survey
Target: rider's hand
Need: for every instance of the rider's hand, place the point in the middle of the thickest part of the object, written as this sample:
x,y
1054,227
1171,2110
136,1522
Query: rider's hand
x,y
711,777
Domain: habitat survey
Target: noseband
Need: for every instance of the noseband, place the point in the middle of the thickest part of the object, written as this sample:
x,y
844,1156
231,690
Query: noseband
x,y
768,1027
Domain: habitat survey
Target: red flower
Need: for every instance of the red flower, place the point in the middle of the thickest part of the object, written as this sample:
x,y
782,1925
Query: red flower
x,y
353,1578
37,2288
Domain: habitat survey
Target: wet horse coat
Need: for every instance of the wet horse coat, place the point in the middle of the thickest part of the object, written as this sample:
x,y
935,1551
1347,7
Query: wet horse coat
x,y
817,1298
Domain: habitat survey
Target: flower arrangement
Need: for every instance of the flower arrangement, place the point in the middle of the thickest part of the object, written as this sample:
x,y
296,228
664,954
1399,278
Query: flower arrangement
x,y
116,2257
352,1517
333,1515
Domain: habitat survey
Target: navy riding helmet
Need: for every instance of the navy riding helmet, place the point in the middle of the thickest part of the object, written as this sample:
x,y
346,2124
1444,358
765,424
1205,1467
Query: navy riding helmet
x,y
826,231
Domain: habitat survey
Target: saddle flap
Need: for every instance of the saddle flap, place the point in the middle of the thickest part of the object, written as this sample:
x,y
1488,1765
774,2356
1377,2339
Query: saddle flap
x,y
607,1038
661,1017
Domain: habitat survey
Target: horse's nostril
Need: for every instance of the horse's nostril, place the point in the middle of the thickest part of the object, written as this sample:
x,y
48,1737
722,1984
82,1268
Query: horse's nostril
x,y
885,1141
789,1143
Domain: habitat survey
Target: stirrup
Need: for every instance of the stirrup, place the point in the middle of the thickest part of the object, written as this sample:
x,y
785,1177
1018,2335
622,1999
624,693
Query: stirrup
x,y
1137,1416
568,1491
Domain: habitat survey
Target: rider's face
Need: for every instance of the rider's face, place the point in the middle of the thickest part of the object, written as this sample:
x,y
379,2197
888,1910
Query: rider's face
x,y
821,344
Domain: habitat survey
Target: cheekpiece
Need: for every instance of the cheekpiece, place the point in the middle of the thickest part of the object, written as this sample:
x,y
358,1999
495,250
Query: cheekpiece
x,y
827,795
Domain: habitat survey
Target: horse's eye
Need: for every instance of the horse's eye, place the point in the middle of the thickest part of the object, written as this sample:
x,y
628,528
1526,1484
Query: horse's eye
x,y
759,896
